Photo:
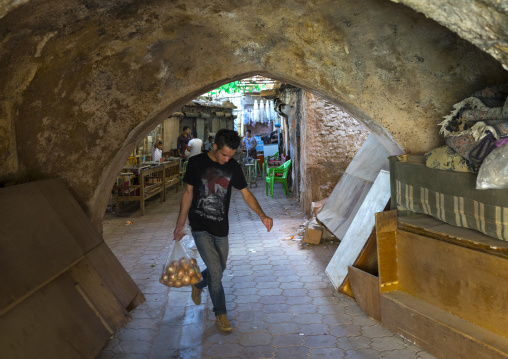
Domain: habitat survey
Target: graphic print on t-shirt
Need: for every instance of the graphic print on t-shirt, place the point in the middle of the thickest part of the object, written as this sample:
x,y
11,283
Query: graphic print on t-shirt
x,y
212,194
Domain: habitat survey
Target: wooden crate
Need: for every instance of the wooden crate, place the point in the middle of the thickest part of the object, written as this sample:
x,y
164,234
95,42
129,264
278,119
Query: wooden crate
x,y
444,288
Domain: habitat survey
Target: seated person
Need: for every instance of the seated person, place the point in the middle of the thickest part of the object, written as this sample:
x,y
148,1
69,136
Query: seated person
x,y
209,144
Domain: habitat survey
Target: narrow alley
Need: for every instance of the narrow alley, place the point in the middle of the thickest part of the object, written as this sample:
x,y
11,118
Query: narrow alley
x,y
280,301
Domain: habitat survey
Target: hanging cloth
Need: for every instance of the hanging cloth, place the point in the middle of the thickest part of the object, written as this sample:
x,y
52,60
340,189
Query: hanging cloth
x,y
272,112
267,112
261,111
255,112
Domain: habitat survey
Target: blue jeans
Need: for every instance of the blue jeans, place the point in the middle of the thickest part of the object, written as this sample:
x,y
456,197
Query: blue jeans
x,y
214,252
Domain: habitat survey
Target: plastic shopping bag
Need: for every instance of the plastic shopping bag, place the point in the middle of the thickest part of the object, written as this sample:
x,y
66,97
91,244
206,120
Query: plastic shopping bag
x,y
493,173
180,269
188,241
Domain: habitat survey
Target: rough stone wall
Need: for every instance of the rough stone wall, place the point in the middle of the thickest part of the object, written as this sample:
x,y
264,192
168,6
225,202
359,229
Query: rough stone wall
x,y
332,138
295,110
82,82
324,140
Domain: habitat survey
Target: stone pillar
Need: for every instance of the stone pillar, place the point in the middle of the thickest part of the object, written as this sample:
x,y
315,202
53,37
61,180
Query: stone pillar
x,y
200,128
171,133
215,124
230,123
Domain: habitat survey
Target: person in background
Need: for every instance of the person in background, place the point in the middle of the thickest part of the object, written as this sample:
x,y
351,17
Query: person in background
x,y
274,137
182,141
250,144
209,180
157,151
194,146
209,144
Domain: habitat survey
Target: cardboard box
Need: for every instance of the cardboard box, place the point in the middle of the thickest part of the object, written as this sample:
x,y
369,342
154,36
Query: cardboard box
x,y
313,233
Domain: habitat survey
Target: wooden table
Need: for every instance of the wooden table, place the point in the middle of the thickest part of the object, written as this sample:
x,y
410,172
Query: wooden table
x,y
147,180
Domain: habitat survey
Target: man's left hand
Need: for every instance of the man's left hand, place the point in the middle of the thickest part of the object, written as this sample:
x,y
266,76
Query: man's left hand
x,y
268,222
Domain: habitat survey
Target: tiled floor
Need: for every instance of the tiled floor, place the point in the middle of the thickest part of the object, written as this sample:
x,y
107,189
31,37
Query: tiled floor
x,y
280,301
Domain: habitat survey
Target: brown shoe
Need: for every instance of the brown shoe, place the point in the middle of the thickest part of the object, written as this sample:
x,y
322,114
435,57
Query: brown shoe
x,y
223,323
196,295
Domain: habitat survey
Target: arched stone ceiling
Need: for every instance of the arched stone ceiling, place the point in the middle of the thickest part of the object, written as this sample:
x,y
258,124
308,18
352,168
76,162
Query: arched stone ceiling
x,y
484,23
84,81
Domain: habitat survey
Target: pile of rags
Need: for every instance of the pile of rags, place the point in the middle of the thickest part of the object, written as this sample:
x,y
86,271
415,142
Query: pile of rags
x,y
478,123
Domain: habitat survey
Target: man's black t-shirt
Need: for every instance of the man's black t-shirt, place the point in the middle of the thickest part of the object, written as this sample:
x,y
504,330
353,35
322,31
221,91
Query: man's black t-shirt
x,y
212,184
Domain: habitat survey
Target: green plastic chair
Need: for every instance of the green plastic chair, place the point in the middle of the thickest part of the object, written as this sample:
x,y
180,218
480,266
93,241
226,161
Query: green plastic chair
x,y
271,178
265,162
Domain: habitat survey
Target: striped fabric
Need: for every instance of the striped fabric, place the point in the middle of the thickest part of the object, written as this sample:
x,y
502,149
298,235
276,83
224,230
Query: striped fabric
x,y
457,211
418,189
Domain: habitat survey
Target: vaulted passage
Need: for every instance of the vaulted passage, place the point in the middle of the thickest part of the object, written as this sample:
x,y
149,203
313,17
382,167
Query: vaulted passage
x,y
83,83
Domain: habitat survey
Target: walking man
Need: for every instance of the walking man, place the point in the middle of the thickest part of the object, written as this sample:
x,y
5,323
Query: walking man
x,y
209,179
195,145
183,140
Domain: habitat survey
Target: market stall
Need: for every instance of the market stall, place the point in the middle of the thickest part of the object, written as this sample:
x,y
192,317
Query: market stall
x,y
143,181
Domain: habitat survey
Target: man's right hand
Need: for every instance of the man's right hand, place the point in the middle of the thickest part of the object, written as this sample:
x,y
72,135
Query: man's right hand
x,y
177,235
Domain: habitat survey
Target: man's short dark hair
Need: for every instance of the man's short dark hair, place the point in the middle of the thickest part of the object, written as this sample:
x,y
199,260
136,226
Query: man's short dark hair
x,y
184,128
249,131
194,134
227,138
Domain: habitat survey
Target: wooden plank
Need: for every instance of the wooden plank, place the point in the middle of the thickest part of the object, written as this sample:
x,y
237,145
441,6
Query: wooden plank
x,y
115,276
438,332
343,204
56,322
366,261
70,213
468,283
365,288
386,226
386,222
348,195
100,295
38,287
369,160
359,231
35,244
465,237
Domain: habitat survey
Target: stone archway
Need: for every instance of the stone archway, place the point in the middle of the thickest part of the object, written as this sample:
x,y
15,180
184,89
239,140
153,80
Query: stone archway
x,y
83,82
